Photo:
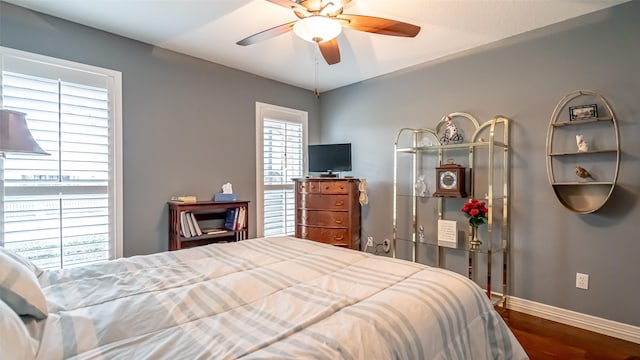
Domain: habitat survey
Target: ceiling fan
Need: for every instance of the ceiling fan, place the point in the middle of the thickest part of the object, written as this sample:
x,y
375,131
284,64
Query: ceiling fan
x,y
321,21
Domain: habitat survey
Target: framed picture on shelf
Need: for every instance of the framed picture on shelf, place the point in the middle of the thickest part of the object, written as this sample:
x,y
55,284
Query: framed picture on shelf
x,y
583,112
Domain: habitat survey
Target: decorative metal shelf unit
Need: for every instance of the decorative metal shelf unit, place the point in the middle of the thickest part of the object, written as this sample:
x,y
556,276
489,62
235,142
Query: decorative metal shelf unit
x,y
415,218
602,160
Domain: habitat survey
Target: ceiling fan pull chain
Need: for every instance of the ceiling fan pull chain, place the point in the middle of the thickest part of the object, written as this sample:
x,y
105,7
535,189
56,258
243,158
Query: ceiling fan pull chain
x,y
316,91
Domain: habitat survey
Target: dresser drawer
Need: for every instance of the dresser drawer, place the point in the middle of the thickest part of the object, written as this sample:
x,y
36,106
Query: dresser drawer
x,y
308,187
335,219
334,187
338,237
322,202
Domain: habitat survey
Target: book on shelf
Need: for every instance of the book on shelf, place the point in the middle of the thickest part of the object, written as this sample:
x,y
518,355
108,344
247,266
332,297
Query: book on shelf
x,y
231,218
184,225
241,216
195,224
187,199
214,231
192,228
235,219
237,223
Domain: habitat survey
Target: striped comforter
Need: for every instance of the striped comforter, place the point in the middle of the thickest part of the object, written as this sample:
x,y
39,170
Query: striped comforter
x,y
270,298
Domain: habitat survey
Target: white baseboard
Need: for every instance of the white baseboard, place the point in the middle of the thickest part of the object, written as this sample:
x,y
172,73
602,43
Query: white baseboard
x,y
579,320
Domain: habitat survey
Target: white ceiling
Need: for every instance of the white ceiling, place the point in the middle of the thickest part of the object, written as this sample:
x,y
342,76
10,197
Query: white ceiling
x,y
209,29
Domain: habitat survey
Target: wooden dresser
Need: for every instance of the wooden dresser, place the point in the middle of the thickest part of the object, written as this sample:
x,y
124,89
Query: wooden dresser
x,y
328,211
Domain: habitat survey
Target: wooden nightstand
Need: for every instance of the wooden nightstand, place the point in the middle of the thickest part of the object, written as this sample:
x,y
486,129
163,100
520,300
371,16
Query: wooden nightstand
x,y
205,211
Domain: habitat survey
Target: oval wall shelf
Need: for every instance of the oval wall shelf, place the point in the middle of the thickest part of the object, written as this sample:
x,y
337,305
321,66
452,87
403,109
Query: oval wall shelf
x,y
583,174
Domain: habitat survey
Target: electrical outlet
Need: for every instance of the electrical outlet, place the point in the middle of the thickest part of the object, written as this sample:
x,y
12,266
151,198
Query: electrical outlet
x,y
370,241
386,245
582,281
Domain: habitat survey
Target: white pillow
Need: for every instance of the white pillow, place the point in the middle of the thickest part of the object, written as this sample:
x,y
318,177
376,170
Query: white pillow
x,y
31,266
15,342
20,290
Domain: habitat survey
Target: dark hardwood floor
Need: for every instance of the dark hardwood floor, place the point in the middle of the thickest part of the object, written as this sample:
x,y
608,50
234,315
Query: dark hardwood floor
x,y
544,339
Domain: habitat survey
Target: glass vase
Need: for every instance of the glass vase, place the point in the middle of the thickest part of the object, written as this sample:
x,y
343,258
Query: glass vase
x,y
474,242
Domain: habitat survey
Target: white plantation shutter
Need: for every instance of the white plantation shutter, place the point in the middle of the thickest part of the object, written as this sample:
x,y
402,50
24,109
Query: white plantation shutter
x,y
59,209
282,159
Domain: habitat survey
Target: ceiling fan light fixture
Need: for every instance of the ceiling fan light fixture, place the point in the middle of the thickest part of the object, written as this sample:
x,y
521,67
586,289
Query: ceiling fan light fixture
x,y
317,28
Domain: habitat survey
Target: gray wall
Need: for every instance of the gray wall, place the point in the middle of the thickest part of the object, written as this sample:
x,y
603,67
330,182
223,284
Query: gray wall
x,y
522,78
188,124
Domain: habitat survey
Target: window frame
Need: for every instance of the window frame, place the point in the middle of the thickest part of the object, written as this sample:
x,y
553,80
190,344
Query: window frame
x,y
114,78
263,111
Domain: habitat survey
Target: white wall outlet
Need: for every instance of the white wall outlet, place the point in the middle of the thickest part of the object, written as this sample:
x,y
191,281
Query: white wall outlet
x,y
386,245
370,241
582,281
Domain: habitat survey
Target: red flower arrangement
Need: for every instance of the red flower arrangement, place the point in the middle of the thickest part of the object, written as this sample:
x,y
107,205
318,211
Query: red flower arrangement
x,y
476,212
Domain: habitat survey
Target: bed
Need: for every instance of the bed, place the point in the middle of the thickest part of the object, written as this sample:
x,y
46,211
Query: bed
x,y
267,298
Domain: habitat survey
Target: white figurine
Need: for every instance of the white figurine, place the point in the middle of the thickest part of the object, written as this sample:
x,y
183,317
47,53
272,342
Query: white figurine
x,y
424,141
451,134
227,188
582,144
451,129
420,186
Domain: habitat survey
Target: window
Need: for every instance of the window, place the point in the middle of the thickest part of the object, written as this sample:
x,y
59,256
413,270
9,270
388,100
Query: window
x,y
63,209
281,150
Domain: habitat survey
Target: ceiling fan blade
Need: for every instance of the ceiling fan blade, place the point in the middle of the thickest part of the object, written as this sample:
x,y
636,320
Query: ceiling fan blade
x,y
378,25
330,51
267,34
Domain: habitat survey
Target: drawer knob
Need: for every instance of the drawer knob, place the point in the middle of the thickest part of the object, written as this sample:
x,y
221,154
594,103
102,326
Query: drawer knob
x,y
338,221
339,237
339,203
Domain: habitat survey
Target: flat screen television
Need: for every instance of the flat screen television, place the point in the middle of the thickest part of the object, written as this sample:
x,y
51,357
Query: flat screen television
x,y
329,158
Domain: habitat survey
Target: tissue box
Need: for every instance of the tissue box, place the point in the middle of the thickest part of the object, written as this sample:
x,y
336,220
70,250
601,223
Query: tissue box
x,y
224,197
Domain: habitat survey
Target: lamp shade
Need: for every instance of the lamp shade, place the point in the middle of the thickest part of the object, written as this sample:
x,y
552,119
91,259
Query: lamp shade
x,y
15,136
317,28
